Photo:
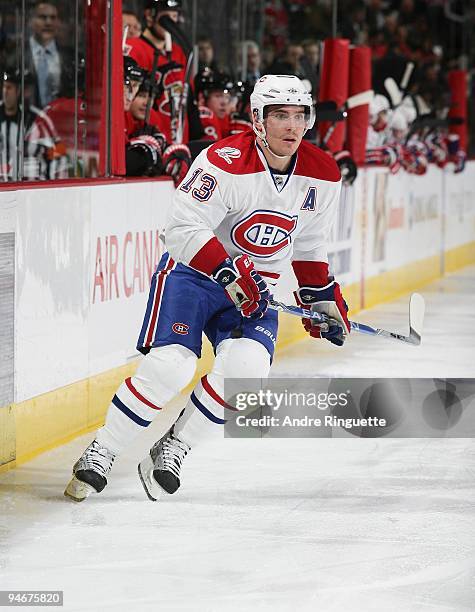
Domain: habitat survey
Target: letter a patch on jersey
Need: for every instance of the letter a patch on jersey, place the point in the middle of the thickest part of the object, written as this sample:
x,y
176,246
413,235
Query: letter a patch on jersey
x,y
310,202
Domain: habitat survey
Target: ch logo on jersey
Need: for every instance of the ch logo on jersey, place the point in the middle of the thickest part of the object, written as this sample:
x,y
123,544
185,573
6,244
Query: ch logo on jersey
x,y
264,233
310,202
181,328
228,154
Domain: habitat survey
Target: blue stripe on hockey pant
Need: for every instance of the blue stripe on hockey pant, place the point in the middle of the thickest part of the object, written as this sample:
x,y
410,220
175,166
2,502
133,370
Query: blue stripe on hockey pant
x,y
123,408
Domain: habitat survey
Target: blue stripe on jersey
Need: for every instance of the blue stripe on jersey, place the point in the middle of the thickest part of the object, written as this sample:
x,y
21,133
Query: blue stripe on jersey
x,y
205,411
135,417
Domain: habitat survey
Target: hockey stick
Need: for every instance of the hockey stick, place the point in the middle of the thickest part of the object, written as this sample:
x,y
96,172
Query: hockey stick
x,y
168,24
359,99
416,320
397,92
181,106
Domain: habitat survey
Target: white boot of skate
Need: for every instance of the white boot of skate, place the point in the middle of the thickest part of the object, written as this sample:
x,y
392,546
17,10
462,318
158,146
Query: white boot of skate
x,y
160,470
90,472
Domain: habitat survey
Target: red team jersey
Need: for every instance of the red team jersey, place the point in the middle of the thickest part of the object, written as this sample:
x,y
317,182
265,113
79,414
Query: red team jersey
x,y
142,52
211,125
215,128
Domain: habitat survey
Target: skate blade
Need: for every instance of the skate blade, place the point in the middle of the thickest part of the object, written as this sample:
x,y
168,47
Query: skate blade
x,y
151,487
78,490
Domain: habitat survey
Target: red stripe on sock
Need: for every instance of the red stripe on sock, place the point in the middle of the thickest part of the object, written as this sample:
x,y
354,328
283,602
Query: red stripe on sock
x,y
139,396
209,389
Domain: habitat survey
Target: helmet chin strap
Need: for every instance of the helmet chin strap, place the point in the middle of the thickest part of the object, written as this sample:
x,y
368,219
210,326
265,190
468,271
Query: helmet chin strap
x,y
261,134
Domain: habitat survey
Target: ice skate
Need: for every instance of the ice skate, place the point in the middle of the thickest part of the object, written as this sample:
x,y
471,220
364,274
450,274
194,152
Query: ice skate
x,y
160,470
90,471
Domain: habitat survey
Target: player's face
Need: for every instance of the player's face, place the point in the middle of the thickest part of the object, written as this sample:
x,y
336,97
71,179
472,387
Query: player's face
x,y
133,24
218,102
158,31
285,127
130,91
139,105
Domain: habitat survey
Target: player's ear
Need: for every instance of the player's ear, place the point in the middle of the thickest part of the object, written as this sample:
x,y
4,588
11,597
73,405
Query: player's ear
x,y
260,127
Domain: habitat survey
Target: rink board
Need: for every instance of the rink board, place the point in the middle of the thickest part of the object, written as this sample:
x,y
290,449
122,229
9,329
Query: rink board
x,y
83,256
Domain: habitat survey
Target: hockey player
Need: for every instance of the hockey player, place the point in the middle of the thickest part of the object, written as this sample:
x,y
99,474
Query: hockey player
x,y
214,93
170,67
249,205
147,152
240,119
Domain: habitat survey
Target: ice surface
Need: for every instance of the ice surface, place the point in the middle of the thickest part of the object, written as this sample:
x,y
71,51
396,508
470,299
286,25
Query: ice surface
x,y
271,524
447,349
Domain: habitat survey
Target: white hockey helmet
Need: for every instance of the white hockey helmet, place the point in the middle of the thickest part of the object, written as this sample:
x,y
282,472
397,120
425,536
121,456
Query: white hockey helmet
x,y
379,104
281,89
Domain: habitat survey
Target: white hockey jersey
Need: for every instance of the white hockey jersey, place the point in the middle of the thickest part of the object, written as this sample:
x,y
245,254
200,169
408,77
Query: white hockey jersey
x,y
229,204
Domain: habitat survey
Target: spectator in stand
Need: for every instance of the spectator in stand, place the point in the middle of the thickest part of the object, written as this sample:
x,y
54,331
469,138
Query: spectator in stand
x,y
392,64
375,14
45,59
206,54
354,25
44,155
148,51
254,61
310,63
290,62
131,21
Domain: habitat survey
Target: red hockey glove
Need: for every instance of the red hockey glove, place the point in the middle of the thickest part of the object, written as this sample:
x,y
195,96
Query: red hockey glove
x,y
243,286
327,300
176,162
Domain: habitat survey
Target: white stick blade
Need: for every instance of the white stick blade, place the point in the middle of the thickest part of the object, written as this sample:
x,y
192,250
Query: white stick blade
x,y
393,90
365,97
416,316
407,75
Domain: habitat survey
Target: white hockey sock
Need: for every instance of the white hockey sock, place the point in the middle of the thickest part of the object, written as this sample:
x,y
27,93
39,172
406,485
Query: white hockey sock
x,y
159,378
204,414
127,416
206,411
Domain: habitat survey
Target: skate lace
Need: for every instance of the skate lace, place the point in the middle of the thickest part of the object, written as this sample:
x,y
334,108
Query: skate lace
x,y
173,452
96,458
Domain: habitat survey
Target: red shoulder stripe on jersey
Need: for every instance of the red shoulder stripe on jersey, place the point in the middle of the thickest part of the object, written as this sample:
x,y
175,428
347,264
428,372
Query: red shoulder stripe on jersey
x,y
311,272
209,257
313,162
